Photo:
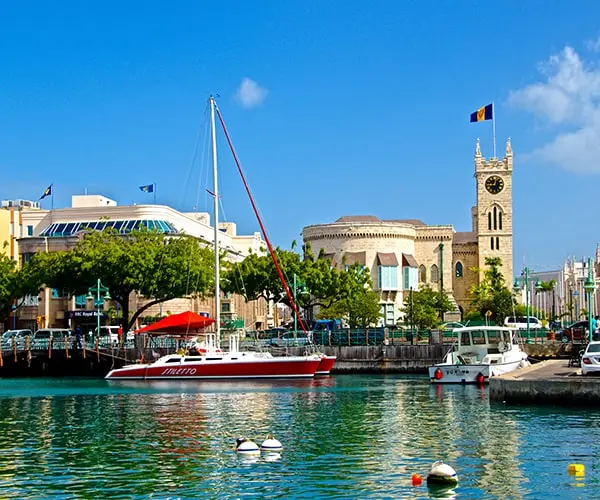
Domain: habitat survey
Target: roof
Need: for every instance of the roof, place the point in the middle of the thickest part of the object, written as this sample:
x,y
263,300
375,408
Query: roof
x,y
409,261
465,237
387,259
356,258
359,218
412,222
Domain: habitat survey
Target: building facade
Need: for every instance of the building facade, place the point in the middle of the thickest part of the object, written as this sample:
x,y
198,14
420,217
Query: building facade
x,y
61,229
404,254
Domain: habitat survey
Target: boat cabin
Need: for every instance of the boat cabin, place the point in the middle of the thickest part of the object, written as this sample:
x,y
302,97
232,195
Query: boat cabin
x,y
483,344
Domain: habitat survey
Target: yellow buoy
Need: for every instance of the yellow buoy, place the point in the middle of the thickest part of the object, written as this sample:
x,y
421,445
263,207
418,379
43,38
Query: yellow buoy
x,y
576,469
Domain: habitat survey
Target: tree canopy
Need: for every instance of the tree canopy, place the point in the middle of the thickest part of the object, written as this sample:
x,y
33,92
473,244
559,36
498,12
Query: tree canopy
x,y
491,297
428,307
15,284
156,266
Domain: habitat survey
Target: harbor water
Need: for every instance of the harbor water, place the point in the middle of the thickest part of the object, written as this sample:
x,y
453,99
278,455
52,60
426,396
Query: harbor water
x,y
344,437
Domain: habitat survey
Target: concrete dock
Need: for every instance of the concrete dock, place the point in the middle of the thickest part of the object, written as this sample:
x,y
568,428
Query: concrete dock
x,y
551,381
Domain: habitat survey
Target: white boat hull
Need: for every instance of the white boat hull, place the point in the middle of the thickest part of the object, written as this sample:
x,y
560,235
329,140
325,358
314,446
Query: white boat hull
x,y
470,374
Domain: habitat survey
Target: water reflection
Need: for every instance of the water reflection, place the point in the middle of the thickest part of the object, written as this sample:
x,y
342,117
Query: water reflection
x,y
354,437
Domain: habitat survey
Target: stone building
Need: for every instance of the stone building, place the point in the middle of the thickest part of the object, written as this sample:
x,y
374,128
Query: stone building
x,y
403,254
30,229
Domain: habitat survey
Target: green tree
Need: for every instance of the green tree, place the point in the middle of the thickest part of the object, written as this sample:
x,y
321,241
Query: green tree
x,y
428,307
360,304
149,263
15,284
491,295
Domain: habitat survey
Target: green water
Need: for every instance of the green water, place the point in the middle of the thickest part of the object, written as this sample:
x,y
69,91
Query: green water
x,y
344,437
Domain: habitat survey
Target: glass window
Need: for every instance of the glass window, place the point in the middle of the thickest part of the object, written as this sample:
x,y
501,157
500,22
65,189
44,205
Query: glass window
x,y
495,218
494,336
459,270
387,277
500,220
406,278
497,243
489,221
478,337
465,339
435,274
422,274
29,230
390,317
80,301
492,242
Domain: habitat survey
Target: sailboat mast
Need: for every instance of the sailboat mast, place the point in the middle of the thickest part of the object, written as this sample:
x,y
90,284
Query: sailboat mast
x,y
213,133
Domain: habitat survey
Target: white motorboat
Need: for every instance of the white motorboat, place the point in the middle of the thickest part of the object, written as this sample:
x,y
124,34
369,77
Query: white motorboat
x,y
480,352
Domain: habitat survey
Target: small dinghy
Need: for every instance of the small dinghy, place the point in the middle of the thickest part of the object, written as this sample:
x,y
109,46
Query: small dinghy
x,y
442,474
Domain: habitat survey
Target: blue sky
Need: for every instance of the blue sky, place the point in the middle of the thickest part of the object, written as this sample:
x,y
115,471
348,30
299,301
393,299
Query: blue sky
x,y
349,108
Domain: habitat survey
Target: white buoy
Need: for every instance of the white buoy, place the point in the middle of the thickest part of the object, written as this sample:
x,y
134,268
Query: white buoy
x,y
271,444
245,446
442,474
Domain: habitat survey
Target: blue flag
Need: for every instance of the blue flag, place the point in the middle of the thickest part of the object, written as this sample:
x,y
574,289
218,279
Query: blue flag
x,y
149,188
47,192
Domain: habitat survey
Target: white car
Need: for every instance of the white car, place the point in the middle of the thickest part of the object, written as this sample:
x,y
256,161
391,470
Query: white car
x,y
590,360
520,322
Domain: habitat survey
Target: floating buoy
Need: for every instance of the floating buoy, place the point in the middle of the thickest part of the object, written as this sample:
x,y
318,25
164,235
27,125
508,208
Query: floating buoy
x,y
438,374
271,444
442,473
480,379
576,469
246,446
416,479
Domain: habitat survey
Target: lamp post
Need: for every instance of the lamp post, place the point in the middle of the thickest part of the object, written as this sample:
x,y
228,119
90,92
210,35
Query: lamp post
x,y
526,287
98,300
303,292
589,288
538,289
14,312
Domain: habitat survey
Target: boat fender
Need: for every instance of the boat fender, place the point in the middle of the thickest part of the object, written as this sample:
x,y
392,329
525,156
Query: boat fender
x,y
245,446
416,479
480,378
271,444
442,474
438,375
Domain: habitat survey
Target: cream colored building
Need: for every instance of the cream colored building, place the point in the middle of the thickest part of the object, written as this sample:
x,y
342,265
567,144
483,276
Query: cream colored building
x,y
406,253
61,229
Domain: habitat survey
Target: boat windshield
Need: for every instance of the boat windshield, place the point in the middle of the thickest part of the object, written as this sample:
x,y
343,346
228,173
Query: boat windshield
x,y
465,339
478,337
496,336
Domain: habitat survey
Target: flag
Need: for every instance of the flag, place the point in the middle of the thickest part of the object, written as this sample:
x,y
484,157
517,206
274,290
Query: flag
x,y
484,113
47,192
149,188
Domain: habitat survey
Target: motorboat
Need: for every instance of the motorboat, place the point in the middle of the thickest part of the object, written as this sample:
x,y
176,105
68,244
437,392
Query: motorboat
x,y
480,352
211,362
326,364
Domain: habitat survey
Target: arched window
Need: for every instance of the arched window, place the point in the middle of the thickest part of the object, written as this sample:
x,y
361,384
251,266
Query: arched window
x,y
459,270
492,242
435,274
489,221
422,274
500,220
495,218
497,243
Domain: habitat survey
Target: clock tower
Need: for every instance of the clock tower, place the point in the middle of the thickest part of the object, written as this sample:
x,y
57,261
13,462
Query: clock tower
x,y
492,215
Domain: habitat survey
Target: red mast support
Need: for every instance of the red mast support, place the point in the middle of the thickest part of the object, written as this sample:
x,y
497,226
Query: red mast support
x,y
262,227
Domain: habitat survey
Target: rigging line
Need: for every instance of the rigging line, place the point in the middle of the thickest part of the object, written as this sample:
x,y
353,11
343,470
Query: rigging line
x,y
262,227
203,159
194,155
236,267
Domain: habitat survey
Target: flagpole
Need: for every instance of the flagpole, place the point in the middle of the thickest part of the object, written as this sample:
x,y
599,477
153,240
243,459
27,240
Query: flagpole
x,y
494,126
52,190
154,191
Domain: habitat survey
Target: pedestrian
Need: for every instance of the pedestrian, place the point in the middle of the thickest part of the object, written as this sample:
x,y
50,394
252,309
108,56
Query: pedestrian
x,y
78,335
120,335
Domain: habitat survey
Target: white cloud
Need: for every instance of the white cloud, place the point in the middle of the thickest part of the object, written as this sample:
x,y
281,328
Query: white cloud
x,y
250,94
594,45
569,99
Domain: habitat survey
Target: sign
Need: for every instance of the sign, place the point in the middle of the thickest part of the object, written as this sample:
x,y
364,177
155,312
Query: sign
x,y
205,314
83,313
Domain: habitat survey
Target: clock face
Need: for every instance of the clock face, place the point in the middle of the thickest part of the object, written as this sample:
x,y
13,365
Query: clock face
x,y
494,184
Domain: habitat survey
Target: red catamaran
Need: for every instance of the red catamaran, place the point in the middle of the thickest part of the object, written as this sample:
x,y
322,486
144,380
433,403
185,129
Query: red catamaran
x,y
211,362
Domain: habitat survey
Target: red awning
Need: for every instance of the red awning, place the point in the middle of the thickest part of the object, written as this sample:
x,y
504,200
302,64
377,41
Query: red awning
x,y
178,323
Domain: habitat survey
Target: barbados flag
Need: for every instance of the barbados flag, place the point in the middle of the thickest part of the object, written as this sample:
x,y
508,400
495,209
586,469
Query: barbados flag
x,y
47,192
484,113
148,188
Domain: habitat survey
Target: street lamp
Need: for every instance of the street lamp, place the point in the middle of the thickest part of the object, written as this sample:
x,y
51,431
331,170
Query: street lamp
x,y
99,301
589,288
517,288
538,289
303,292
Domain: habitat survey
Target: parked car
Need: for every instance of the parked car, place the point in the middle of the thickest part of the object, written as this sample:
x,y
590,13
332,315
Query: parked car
x,y
520,322
18,335
287,340
578,331
110,334
590,360
45,334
